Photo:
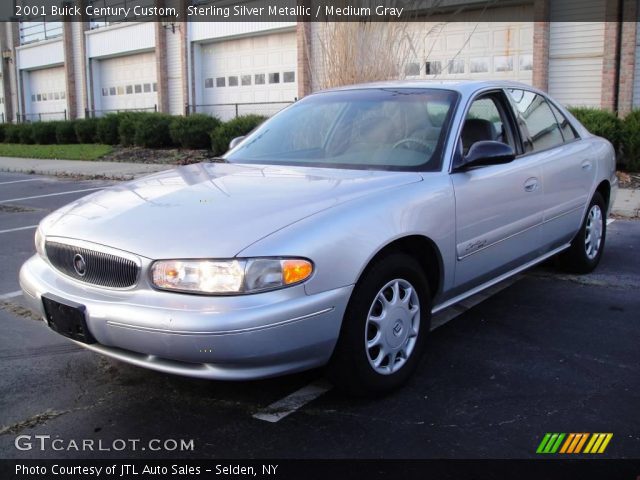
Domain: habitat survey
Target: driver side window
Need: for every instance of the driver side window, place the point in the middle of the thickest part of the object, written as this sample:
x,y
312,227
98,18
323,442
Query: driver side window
x,y
484,121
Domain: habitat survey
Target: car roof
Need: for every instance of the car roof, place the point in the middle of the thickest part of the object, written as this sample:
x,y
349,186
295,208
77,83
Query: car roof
x,y
463,86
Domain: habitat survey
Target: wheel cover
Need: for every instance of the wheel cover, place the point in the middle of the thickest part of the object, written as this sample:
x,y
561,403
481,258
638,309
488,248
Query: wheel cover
x,y
593,232
392,326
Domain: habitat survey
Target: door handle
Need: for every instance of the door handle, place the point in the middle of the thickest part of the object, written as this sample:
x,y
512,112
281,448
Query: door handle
x,y
531,185
586,165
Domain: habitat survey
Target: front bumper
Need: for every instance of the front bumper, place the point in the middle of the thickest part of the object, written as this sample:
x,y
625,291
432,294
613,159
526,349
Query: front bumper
x,y
229,338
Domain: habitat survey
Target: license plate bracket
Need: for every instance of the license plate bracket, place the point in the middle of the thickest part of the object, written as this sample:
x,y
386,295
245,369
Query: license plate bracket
x,y
67,318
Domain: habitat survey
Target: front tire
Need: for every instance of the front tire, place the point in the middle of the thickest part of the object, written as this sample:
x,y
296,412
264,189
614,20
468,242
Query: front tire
x,y
384,328
586,248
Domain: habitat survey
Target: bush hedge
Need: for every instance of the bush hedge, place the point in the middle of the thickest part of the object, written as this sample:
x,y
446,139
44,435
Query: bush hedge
x,y
630,135
66,133
238,127
600,122
193,131
12,133
107,129
127,126
153,131
25,132
86,130
44,133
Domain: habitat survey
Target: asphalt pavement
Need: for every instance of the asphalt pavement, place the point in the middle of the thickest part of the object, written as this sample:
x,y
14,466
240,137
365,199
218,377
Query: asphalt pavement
x,y
548,353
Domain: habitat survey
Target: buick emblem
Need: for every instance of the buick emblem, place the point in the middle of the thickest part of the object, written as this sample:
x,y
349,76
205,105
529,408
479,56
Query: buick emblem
x,y
79,265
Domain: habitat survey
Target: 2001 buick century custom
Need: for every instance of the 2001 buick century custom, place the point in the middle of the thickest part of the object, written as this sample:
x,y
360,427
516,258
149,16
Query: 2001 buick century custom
x,y
329,235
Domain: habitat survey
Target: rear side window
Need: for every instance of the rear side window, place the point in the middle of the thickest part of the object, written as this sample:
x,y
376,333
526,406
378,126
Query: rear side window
x,y
567,130
540,130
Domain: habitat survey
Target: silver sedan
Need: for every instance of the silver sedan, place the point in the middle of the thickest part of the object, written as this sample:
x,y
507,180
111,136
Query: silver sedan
x,y
329,235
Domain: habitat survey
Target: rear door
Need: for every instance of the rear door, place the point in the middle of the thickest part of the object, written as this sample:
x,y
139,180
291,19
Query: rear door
x,y
499,208
568,166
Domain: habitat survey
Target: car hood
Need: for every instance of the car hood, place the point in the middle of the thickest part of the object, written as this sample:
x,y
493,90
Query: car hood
x,y
211,210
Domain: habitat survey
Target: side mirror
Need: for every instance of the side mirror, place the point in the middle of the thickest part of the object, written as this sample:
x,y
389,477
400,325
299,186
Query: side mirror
x,y
487,152
235,142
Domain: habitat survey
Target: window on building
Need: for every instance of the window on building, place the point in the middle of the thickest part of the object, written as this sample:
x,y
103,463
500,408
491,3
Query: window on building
x,y
112,91
129,89
456,66
412,69
147,87
503,63
433,67
39,97
33,98
479,65
245,80
274,78
105,92
526,63
541,130
208,83
221,82
120,90
37,31
138,88
44,97
155,87
233,81
259,79
289,77
63,95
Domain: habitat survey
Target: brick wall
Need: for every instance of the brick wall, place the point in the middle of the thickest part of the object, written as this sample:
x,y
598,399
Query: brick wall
x,y
627,58
541,11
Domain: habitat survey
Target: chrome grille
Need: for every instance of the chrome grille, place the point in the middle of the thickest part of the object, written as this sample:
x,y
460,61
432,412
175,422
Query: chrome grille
x,y
101,268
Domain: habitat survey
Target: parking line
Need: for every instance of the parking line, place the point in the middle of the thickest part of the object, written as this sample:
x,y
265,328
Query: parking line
x,y
51,195
22,181
289,404
7,296
18,229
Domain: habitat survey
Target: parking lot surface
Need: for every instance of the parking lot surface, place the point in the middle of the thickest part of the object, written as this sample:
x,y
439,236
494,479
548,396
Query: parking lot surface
x,y
548,353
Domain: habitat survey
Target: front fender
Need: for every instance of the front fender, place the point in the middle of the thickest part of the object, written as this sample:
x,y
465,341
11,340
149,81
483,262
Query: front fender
x,y
341,241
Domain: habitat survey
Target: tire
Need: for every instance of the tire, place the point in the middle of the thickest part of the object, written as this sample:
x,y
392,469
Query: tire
x,y
399,330
587,246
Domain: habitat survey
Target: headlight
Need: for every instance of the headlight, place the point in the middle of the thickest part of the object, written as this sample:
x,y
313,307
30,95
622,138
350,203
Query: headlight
x,y
39,241
229,276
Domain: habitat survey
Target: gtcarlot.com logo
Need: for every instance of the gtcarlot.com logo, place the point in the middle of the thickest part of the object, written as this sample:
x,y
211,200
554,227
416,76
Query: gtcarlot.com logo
x,y
45,442
573,443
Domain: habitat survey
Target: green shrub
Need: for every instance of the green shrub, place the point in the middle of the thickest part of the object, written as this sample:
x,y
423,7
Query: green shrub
x,y
86,130
107,129
26,133
224,133
12,133
600,122
66,132
152,131
3,128
127,126
193,131
630,138
44,133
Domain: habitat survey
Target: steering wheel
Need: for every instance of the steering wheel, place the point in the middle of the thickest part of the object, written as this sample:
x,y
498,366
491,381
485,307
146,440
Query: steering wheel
x,y
427,147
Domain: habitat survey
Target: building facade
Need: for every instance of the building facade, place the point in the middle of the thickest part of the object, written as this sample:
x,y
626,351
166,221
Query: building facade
x,y
82,69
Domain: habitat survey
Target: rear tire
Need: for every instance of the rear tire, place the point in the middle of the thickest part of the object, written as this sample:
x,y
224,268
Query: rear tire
x,y
384,328
586,248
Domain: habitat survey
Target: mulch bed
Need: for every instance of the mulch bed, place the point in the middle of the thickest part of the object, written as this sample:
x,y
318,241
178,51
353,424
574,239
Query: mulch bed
x,y
171,156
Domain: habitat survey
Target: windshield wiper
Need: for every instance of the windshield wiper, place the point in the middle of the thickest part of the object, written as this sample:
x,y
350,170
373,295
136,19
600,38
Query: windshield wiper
x,y
217,160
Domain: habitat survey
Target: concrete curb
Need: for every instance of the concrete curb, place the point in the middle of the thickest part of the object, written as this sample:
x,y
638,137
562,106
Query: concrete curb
x,y
627,203
79,168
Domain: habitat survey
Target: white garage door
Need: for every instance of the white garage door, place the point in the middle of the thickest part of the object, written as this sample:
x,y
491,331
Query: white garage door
x,y
469,49
47,94
127,83
250,72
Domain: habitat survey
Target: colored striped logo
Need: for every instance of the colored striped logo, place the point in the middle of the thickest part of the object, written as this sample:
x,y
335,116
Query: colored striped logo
x,y
574,443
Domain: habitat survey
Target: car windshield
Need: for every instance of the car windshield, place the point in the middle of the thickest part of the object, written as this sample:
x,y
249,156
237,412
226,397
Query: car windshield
x,y
384,129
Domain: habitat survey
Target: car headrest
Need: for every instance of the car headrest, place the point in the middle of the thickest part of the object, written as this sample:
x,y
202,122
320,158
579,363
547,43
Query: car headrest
x,y
475,130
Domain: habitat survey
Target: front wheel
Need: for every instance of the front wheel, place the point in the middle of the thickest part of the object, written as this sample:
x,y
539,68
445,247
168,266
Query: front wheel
x,y
384,328
586,248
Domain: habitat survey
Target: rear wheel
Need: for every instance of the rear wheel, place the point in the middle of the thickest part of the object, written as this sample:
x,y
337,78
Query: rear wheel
x,y
384,328
586,248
